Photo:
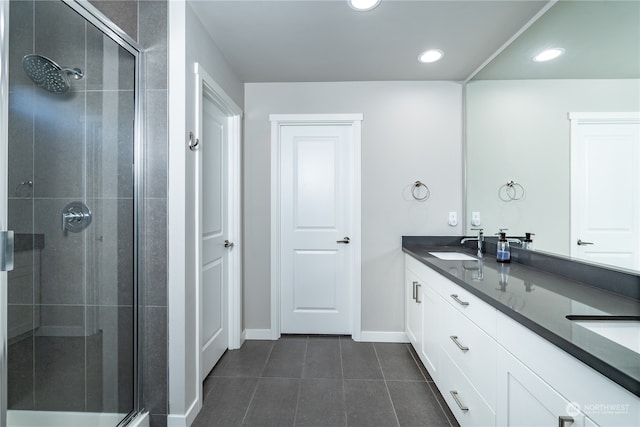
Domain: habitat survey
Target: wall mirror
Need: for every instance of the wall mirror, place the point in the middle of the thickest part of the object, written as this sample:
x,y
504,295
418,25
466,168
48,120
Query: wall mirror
x,y
528,123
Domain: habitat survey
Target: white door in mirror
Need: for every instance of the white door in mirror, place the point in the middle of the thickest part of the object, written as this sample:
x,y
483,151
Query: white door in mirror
x,y
605,187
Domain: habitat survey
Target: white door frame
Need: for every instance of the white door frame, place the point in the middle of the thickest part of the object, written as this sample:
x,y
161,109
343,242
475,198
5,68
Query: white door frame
x,y
277,121
206,85
576,120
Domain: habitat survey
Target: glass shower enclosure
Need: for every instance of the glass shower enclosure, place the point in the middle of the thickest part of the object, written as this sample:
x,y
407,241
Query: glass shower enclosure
x,y
69,191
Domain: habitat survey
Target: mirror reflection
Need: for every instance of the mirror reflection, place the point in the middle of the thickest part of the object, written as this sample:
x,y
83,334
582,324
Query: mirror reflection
x,y
553,146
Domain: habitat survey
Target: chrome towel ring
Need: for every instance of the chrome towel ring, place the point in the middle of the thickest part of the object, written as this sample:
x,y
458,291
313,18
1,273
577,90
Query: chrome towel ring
x,y
24,189
511,191
416,191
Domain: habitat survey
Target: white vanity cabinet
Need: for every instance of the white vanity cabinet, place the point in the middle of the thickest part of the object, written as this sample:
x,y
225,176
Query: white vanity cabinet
x,y
413,309
453,348
525,400
421,312
493,371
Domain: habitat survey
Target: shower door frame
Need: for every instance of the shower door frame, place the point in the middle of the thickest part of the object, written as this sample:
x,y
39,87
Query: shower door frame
x,y
93,16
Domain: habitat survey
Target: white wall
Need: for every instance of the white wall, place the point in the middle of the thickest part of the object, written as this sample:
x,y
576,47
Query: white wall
x,y
411,131
198,47
519,130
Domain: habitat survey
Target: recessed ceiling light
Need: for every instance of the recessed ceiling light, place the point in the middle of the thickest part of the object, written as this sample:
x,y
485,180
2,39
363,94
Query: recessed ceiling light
x,y
363,5
431,55
548,55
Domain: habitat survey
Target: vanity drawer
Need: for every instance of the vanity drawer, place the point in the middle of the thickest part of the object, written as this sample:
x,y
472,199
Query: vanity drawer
x,y
478,311
472,350
465,402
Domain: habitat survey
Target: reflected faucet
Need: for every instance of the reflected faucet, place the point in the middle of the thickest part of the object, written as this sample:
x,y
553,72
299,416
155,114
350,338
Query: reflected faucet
x,y
479,239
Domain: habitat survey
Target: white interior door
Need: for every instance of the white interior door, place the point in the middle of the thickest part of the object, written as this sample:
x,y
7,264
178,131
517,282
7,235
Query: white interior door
x,y
214,227
606,193
317,208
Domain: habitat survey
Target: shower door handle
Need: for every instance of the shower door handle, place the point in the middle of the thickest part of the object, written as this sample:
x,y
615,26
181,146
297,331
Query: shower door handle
x,y
6,250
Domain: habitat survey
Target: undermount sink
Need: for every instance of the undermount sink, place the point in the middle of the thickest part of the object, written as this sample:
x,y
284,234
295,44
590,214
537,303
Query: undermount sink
x,y
453,256
624,330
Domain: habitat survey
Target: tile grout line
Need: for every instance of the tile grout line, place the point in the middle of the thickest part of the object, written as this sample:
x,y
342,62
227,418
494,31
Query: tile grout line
x,y
253,395
440,404
386,386
304,359
344,391
418,363
255,390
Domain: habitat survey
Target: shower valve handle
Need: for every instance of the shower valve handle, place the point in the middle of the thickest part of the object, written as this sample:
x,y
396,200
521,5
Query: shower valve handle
x,y
76,216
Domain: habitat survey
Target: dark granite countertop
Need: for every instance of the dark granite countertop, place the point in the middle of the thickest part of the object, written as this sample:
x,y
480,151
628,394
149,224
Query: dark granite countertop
x,y
541,301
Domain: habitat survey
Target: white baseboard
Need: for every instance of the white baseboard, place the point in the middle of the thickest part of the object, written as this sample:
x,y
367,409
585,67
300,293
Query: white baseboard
x,y
176,420
365,336
258,334
383,336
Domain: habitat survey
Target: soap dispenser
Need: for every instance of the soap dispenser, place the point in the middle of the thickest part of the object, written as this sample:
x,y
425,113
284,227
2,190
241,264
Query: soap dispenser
x,y
528,243
503,252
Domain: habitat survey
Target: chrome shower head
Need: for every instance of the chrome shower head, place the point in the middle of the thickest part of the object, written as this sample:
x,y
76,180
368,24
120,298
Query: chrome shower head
x,y
45,73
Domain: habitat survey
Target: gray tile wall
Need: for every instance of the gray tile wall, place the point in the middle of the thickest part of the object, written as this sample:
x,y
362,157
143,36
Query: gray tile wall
x,y
152,35
146,21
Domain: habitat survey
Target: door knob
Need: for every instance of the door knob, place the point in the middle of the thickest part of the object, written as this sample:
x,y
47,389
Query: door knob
x,y
345,240
581,243
228,244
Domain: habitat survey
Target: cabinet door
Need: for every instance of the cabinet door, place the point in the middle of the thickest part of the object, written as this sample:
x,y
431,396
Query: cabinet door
x,y
431,309
413,310
525,400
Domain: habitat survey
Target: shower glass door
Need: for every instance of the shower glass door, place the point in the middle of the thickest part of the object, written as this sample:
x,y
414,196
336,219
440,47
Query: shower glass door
x,y
71,296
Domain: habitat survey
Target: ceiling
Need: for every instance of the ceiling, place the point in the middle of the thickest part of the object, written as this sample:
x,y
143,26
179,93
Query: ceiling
x,y
601,40
326,40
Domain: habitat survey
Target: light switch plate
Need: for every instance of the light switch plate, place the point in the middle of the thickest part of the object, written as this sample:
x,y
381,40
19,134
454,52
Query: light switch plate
x,y
453,219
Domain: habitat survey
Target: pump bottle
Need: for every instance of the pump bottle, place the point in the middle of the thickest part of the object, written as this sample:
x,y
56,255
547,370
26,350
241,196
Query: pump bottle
x,y
527,243
503,252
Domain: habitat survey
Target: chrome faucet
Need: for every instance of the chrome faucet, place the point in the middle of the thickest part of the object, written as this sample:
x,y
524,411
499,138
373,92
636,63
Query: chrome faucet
x,y
479,239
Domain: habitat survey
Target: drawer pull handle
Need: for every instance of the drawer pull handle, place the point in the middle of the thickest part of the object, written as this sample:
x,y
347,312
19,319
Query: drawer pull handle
x,y
564,421
414,290
460,346
458,300
463,408
417,300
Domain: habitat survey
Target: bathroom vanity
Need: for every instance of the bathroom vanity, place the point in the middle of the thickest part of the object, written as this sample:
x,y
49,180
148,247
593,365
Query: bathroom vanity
x,y
512,344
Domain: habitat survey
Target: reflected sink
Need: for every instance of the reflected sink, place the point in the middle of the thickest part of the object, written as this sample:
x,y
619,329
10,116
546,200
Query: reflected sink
x,y
624,330
453,256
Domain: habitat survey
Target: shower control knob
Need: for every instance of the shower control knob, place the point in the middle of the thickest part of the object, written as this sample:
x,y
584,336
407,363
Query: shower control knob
x,y
76,216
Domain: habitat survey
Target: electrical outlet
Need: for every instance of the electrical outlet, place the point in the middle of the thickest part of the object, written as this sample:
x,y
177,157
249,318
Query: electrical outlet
x,y
453,219
475,219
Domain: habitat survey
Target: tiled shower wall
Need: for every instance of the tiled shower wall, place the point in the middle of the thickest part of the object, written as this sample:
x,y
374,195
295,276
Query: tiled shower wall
x,y
146,21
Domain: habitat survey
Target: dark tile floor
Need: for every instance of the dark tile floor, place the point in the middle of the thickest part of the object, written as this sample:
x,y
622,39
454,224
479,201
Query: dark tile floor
x,y
323,382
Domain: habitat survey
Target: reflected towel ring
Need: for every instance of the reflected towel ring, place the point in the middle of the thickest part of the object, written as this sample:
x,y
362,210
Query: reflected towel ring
x,y
415,190
511,191
23,190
